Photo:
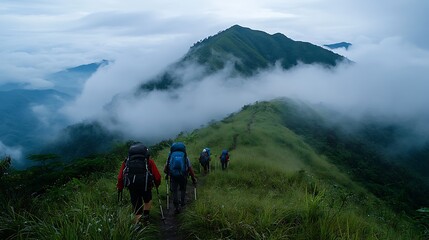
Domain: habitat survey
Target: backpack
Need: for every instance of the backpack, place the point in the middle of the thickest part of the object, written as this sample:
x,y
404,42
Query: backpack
x,y
224,156
208,151
136,171
177,160
204,158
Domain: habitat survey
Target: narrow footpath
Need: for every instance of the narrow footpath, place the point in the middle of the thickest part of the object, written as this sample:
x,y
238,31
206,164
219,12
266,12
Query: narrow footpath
x,y
170,230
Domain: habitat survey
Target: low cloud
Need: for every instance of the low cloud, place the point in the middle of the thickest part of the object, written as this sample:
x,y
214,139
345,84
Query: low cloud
x,y
14,152
388,80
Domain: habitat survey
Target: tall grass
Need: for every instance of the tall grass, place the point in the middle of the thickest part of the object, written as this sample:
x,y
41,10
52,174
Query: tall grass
x,y
276,187
282,207
80,210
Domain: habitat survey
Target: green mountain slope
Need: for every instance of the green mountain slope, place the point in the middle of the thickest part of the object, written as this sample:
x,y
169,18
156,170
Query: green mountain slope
x,y
276,187
249,51
257,50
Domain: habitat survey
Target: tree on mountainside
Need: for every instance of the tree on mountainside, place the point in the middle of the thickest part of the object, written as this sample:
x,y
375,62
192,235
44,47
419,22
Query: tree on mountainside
x,y
5,165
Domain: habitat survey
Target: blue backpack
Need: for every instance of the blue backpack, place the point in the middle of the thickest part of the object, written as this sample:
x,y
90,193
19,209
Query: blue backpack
x,y
204,158
178,160
208,151
224,155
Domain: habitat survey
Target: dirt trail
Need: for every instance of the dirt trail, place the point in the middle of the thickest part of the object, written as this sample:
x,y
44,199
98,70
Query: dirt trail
x,y
171,229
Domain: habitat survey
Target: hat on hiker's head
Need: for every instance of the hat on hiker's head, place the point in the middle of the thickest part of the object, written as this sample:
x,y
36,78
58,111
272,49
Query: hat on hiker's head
x,y
204,150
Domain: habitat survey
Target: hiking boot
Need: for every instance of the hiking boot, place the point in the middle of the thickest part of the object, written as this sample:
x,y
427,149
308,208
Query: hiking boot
x,y
144,220
177,211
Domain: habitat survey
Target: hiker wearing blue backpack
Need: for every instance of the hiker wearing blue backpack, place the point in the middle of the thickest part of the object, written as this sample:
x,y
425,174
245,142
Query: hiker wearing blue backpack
x,y
224,159
205,160
178,168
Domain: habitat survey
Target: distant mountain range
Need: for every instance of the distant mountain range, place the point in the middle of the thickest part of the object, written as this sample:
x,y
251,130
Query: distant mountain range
x,y
29,115
248,51
71,80
345,45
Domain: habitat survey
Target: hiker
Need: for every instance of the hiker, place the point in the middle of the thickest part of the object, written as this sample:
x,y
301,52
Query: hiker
x,y
205,160
178,168
224,159
139,174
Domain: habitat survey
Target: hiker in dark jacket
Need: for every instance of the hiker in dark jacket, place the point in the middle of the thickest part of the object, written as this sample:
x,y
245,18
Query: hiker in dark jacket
x,y
178,168
224,159
205,160
139,173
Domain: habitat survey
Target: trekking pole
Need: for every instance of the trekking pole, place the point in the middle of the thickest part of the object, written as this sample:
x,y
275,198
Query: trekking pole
x,y
119,195
160,204
168,196
195,192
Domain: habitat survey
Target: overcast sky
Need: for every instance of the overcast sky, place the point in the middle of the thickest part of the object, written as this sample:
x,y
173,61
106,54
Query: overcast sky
x,y
41,36
390,44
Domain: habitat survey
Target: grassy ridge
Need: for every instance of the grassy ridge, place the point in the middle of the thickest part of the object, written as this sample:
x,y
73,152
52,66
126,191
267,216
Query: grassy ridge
x,y
276,187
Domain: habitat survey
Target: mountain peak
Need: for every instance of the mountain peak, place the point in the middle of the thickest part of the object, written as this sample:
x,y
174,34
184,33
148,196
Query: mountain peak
x,y
248,51
256,50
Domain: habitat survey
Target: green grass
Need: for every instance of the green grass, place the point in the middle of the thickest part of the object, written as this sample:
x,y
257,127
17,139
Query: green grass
x,y
276,187
86,209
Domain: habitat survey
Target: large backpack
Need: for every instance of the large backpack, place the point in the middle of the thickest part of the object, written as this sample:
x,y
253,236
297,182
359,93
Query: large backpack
x,y
224,156
136,171
204,158
208,151
177,160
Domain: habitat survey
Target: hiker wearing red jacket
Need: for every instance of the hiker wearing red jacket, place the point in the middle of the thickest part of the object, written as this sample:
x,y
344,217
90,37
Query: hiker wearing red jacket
x,y
139,174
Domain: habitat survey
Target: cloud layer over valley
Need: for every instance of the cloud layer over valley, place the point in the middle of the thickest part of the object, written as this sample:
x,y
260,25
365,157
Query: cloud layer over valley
x,y
387,80
390,48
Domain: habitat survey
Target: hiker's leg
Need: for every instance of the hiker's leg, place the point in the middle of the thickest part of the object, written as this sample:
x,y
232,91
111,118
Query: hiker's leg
x,y
136,201
147,198
174,187
183,183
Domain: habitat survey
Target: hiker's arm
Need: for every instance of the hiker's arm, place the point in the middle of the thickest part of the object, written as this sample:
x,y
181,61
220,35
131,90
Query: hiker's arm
x,y
191,172
166,169
155,173
120,183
